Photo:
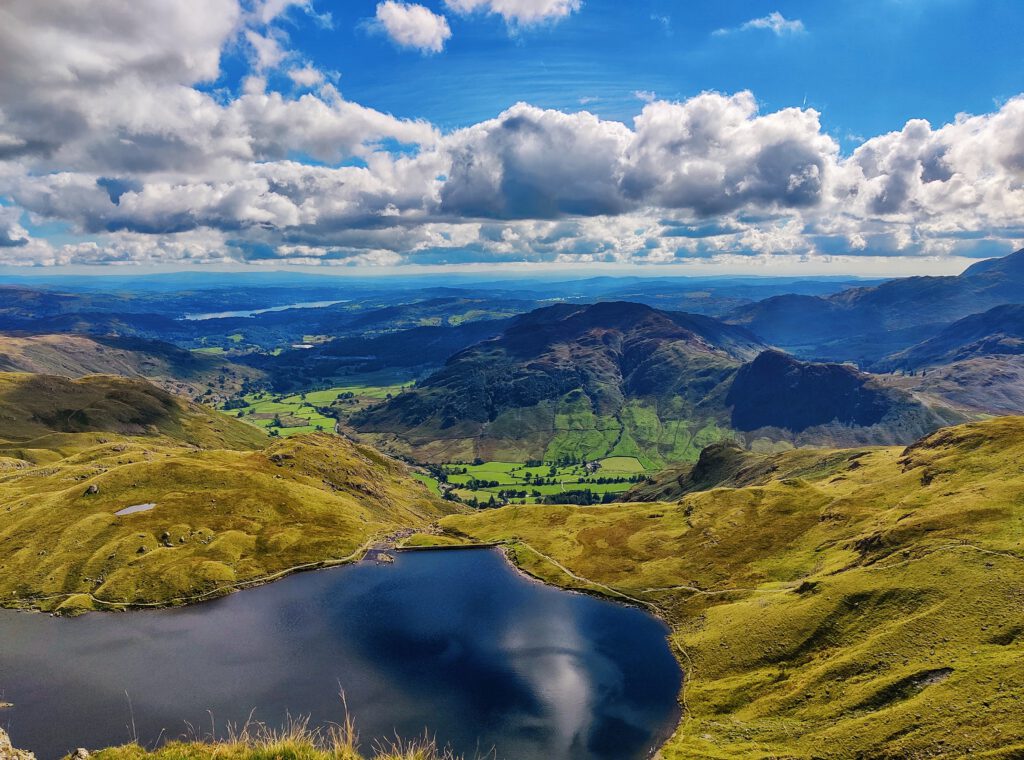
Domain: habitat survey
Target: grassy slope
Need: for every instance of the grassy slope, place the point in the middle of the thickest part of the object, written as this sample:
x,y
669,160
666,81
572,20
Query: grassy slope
x,y
40,413
173,369
871,608
226,513
726,464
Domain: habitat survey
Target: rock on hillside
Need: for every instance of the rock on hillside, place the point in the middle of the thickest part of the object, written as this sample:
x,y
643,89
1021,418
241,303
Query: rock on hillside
x,y
727,465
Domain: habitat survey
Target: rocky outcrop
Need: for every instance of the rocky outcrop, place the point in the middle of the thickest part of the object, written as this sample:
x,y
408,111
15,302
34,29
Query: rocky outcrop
x,y
8,752
776,390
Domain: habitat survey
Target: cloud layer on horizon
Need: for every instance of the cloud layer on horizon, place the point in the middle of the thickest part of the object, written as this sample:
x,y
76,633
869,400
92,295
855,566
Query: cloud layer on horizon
x,y
110,126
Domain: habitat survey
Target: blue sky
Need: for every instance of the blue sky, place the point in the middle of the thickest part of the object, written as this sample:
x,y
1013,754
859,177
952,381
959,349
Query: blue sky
x,y
868,66
709,135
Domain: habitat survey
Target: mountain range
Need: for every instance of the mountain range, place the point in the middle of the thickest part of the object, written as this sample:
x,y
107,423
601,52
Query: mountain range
x,y
867,324
186,373
623,379
996,332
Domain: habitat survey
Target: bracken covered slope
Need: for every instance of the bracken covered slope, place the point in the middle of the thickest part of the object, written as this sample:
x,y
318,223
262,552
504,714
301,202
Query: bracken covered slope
x,y
868,605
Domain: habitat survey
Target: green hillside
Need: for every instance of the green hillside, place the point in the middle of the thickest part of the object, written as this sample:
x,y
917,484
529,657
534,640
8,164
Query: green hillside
x,y
849,604
214,510
571,382
306,412
39,413
185,373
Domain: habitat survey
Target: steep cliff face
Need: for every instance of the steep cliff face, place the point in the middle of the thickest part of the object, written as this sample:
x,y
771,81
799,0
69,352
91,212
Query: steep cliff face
x,y
776,390
821,402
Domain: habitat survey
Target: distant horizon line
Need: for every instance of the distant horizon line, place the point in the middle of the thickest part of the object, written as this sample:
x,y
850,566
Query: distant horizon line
x,y
754,267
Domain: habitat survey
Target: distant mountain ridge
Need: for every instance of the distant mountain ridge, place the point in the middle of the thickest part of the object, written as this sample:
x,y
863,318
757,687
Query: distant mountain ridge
x,y
624,379
411,349
866,324
185,373
996,332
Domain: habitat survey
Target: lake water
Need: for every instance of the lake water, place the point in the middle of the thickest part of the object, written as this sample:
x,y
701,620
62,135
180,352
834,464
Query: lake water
x,y
254,312
453,642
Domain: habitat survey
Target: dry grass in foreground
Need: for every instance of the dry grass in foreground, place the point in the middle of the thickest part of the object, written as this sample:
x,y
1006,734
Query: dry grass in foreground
x,y
297,741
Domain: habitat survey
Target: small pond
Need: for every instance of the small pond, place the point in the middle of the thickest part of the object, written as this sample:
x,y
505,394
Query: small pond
x,y
456,643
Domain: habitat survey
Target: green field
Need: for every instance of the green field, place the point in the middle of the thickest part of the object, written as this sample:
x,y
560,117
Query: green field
x,y
429,482
518,482
639,431
306,412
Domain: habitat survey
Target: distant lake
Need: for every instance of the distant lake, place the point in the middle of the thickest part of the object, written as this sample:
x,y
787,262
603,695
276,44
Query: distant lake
x,y
456,643
254,312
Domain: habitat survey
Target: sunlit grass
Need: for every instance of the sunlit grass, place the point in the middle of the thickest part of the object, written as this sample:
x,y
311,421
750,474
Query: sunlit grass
x,y
867,607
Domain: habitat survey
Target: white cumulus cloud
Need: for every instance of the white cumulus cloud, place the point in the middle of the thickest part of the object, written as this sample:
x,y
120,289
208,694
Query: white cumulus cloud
x,y
413,26
108,126
774,22
306,76
519,12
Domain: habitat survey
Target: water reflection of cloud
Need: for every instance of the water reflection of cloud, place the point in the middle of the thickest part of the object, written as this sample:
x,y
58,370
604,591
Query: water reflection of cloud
x,y
454,642
547,650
